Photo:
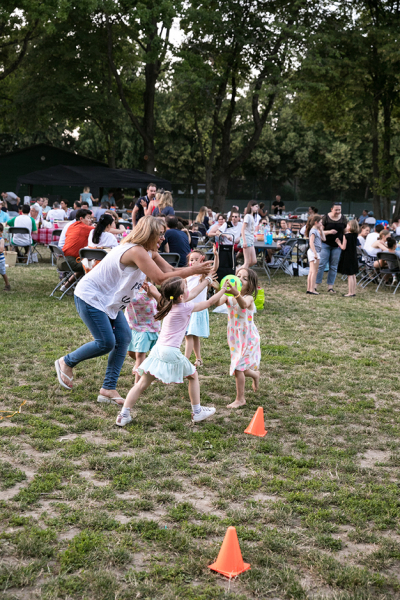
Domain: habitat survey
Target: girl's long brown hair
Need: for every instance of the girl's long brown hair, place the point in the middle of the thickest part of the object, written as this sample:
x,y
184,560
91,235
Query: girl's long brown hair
x,y
252,284
311,222
170,291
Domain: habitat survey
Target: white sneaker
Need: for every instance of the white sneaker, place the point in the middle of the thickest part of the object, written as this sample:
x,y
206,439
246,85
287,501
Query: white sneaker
x,y
203,414
122,421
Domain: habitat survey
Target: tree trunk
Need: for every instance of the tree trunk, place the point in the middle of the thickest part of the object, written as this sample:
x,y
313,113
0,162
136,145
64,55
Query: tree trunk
x,y
221,187
152,71
207,196
375,160
386,158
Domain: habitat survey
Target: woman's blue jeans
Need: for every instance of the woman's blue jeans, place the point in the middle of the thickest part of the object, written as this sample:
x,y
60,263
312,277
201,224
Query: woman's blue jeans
x,y
111,336
332,255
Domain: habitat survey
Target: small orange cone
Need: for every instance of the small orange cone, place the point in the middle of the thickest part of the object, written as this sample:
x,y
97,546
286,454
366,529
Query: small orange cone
x,y
256,426
230,562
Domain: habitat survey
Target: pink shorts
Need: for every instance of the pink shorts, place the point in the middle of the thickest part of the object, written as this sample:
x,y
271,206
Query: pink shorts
x,y
311,256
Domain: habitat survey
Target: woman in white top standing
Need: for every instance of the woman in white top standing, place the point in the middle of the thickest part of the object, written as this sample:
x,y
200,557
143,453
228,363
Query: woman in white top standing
x,y
103,294
247,239
101,235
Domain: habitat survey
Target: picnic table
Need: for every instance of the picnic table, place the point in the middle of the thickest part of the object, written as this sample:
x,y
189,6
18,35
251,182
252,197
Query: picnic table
x,y
264,247
44,235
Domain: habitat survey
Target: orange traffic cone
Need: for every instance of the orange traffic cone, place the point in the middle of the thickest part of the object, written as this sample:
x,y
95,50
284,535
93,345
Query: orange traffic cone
x,y
256,426
230,562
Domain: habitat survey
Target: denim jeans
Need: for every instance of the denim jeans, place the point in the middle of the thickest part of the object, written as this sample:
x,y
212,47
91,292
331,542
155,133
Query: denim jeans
x,y
111,336
331,255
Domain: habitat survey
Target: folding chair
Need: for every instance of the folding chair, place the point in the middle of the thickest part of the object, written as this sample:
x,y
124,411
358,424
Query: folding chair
x,y
226,255
91,254
56,252
283,258
23,231
126,224
172,258
393,267
195,237
370,273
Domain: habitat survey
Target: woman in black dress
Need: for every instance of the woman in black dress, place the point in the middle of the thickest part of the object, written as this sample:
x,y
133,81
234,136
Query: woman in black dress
x,y
348,263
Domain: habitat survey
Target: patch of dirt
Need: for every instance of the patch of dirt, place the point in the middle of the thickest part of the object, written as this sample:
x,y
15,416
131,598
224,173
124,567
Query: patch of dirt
x,y
68,535
259,497
370,457
89,475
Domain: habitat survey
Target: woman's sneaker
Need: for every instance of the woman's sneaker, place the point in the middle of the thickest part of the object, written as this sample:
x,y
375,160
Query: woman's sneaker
x,y
122,421
203,414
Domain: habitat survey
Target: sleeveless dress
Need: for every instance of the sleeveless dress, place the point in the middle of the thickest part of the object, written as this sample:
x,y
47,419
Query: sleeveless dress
x,y
199,321
243,337
348,263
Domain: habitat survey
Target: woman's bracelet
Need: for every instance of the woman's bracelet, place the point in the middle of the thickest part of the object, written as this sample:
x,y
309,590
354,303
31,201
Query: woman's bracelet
x,y
208,278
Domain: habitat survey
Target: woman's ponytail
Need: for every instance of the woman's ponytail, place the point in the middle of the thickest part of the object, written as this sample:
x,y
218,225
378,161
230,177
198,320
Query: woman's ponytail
x,y
104,221
170,291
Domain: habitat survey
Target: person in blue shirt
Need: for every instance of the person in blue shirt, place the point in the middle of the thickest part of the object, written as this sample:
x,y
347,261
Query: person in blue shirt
x,y
363,217
109,197
176,241
86,196
4,216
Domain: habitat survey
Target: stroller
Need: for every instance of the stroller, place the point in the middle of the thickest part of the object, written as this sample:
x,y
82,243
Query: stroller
x,y
226,255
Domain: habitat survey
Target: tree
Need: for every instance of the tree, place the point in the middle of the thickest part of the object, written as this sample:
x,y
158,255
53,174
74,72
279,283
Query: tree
x,y
140,29
246,48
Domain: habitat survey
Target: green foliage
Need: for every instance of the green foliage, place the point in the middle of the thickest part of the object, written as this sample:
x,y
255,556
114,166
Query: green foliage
x,y
9,475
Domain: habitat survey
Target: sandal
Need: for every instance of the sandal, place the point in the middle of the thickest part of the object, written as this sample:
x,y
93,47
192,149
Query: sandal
x,y
198,363
108,400
60,373
331,291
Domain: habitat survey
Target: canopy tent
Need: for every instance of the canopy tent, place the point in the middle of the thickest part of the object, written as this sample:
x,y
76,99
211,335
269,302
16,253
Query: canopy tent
x,y
63,175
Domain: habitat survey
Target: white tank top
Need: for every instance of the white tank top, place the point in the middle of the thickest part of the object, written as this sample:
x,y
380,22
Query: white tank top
x,y
110,286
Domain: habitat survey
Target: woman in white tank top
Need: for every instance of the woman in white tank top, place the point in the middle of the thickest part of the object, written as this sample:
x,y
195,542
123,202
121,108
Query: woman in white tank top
x,y
103,294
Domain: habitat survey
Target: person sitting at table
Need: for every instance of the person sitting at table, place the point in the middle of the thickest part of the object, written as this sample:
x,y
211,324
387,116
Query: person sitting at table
x,y
76,238
379,245
35,214
372,237
101,236
214,229
382,264
364,232
233,209
56,213
284,229
117,228
233,227
278,206
262,211
65,208
362,218
86,196
176,241
72,214
45,206
85,206
23,241
101,210
165,205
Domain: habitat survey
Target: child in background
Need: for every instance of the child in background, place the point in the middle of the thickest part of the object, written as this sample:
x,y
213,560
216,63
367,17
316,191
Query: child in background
x,y
140,314
348,263
165,361
199,321
315,233
247,234
7,287
243,336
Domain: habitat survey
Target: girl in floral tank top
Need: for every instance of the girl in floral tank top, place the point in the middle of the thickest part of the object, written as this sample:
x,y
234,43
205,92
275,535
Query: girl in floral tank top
x,y
145,329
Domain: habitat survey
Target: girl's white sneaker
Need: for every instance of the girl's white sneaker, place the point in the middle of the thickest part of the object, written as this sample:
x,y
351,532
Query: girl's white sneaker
x,y
122,421
203,414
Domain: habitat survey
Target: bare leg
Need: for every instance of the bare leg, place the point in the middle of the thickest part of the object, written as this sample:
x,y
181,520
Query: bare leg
x,y
255,376
239,401
138,389
312,276
194,389
6,280
247,259
352,285
140,356
197,350
189,346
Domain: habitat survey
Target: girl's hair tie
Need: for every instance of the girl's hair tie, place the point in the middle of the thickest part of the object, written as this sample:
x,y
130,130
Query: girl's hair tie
x,y
171,297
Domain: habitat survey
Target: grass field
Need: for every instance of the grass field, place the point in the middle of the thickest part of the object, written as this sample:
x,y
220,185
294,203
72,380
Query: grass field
x,y
91,511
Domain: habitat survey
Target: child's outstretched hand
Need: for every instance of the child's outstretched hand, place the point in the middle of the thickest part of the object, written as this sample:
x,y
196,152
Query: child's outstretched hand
x,y
231,289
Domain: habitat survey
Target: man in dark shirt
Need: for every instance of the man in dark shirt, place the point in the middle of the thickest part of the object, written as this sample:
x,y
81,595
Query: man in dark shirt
x,y
141,205
72,214
176,241
278,205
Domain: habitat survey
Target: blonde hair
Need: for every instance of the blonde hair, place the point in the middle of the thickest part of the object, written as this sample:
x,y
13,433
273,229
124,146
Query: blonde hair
x,y
166,200
86,189
384,233
354,227
146,233
113,214
201,215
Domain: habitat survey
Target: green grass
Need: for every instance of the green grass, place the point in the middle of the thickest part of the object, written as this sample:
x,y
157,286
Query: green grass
x,y
91,511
